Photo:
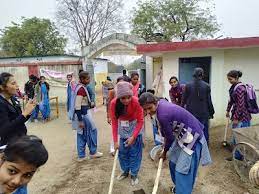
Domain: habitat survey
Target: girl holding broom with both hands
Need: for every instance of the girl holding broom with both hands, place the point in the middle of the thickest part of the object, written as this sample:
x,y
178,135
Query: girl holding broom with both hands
x,y
127,122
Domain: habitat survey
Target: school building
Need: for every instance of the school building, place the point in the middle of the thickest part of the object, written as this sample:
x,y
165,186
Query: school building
x,y
216,57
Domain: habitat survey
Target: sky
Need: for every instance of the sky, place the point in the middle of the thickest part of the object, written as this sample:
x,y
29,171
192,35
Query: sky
x,y
238,18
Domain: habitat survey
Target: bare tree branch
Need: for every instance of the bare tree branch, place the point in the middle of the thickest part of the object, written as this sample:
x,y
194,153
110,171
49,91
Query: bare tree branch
x,y
89,19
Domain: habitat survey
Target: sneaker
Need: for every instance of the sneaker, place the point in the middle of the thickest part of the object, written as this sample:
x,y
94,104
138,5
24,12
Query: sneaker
x,y
81,159
96,155
122,176
134,180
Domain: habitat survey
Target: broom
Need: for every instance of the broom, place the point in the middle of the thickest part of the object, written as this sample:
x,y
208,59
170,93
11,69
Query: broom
x,y
113,172
225,143
157,176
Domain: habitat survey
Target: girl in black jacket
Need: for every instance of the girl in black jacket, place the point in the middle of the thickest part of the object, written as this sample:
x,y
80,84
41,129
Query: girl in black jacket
x,y
12,118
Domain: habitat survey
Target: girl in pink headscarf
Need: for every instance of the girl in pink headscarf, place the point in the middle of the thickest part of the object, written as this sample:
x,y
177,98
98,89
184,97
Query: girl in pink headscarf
x,y
138,88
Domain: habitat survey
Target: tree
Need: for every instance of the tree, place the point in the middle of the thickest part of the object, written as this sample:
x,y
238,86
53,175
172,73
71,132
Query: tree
x,y
89,20
164,20
33,36
4,54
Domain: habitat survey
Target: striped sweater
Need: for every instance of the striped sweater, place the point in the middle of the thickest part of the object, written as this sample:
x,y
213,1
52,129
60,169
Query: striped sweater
x,y
237,104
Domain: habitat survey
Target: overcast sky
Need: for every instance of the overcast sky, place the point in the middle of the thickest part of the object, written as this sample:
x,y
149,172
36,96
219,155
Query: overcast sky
x,y
239,18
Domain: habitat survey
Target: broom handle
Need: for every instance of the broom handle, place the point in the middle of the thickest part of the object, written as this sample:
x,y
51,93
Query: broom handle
x,y
226,129
113,172
157,176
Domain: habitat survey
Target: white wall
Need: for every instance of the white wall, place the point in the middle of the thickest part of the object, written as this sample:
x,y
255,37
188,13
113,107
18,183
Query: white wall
x,y
57,58
149,72
100,66
20,74
219,96
114,76
246,60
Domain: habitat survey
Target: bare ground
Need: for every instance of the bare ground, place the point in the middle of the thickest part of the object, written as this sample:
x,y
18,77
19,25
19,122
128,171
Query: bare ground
x,y
63,175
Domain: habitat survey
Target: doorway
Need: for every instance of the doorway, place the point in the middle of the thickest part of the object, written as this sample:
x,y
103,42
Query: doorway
x,y
187,66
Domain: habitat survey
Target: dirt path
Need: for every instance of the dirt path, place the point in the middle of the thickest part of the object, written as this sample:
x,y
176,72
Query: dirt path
x,y
63,175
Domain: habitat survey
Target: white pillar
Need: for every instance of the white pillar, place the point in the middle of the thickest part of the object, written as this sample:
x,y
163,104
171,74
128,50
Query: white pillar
x,y
88,66
149,72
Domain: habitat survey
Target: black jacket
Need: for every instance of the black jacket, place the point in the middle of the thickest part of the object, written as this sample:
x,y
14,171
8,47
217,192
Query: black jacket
x,y
29,89
12,122
197,99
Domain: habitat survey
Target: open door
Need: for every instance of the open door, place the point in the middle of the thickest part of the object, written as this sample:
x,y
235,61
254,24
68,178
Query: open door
x,y
187,66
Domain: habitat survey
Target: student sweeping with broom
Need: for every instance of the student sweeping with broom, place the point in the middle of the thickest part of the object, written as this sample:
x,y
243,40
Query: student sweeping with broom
x,y
127,121
183,134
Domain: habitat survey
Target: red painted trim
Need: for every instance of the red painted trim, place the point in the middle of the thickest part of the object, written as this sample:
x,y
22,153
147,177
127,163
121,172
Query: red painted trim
x,y
199,45
41,64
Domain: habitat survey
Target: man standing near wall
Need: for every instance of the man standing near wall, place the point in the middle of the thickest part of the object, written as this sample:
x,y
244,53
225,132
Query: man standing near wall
x,y
197,100
30,86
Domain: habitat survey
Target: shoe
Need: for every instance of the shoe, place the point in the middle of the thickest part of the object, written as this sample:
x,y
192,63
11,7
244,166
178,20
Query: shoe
x,y
81,159
122,176
36,121
112,154
96,155
173,190
134,180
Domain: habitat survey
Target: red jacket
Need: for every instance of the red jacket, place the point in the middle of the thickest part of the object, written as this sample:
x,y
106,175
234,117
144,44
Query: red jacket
x,y
134,112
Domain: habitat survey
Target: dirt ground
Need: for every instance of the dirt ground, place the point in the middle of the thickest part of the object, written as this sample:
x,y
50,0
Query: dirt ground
x,y
63,175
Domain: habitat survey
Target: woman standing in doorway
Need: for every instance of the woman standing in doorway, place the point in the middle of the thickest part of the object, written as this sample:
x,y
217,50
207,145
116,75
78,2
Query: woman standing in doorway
x,y
176,91
42,92
197,100
127,122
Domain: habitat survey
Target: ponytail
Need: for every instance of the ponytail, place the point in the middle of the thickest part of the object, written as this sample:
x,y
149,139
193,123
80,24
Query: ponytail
x,y
235,74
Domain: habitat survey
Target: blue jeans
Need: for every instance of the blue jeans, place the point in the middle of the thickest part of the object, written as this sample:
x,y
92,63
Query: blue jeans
x,y
35,112
205,122
21,190
155,131
184,182
45,111
240,125
243,124
130,157
88,137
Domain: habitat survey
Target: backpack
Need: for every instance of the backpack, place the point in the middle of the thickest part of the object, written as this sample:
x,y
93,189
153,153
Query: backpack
x,y
251,103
